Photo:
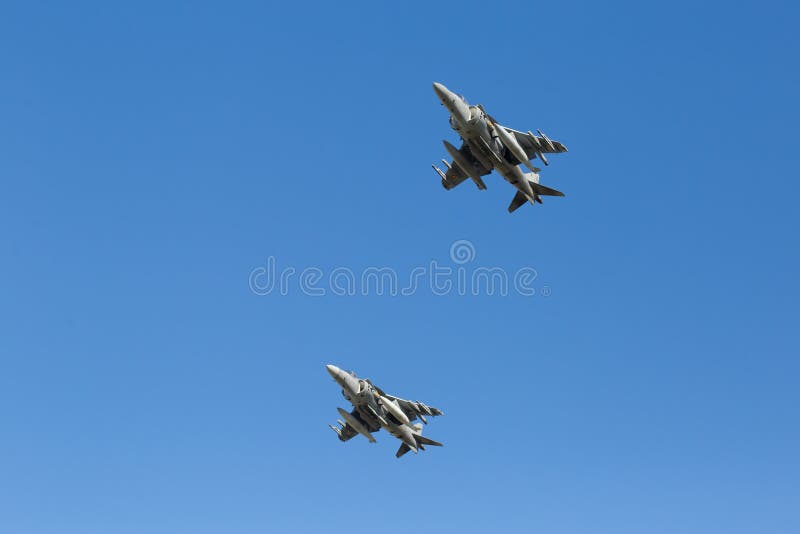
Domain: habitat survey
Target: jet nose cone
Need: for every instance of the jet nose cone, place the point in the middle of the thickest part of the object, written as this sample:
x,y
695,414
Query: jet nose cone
x,y
332,370
441,91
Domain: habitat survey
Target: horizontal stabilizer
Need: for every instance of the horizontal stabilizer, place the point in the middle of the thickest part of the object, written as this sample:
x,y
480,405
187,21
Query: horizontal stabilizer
x,y
422,440
402,450
519,200
540,189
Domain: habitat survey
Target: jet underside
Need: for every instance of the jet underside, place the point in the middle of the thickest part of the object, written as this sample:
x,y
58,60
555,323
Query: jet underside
x,y
374,410
487,146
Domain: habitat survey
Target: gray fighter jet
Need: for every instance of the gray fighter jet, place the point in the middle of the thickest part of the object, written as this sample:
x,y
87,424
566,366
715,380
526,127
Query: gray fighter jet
x,y
373,409
487,145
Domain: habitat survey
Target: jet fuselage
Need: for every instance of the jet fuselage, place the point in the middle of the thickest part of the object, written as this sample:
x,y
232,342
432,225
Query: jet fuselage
x,y
364,398
475,128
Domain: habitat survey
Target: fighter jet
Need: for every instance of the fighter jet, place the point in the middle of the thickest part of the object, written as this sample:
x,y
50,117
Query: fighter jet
x,y
373,409
487,145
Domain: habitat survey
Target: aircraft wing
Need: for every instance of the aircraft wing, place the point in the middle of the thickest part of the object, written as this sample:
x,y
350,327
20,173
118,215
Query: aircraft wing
x,y
455,174
453,177
346,432
532,144
353,424
414,409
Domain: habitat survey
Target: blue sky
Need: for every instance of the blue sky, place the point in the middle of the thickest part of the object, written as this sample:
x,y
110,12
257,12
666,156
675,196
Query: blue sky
x,y
154,155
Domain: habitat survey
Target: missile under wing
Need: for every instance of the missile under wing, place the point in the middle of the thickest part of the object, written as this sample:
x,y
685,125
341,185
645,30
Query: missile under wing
x,y
465,165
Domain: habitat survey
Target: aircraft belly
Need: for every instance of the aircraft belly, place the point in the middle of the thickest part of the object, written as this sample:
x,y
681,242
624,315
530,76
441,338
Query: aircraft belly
x,y
478,144
484,159
369,420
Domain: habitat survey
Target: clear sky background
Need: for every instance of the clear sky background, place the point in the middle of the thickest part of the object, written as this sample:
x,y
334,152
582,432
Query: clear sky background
x,y
153,154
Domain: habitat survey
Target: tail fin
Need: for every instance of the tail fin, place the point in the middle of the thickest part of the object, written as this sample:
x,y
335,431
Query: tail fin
x,y
421,442
533,179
